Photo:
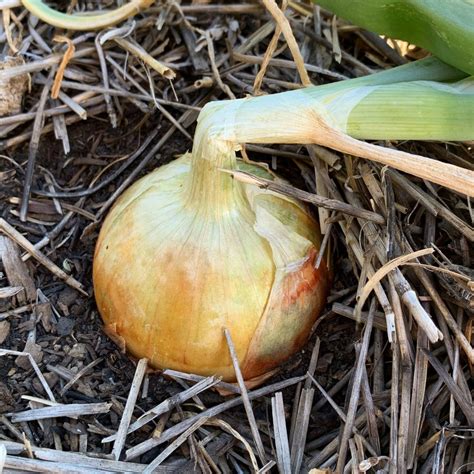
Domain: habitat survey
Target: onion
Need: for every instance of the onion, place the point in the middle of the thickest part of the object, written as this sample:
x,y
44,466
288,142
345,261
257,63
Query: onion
x,y
187,251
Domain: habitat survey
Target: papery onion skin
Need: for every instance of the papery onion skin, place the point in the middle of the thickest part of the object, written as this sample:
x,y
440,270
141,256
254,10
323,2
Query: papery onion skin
x,y
168,278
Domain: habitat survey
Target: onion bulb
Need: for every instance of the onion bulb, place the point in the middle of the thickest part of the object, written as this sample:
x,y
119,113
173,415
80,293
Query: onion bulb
x,y
188,251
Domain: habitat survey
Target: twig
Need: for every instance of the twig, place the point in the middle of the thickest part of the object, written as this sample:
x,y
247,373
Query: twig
x,y
105,80
53,268
370,409
289,190
464,404
34,144
357,423
418,395
229,387
301,428
38,372
86,461
215,71
284,63
432,205
34,465
422,317
450,321
348,312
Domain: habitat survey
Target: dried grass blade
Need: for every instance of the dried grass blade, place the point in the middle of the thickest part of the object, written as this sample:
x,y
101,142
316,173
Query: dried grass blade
x,y
226,427
426,323
35,465
229,387
268,54
418,395
245,399
167,405
371,412
38,125
450,321
10,291
23,242
285,27
38,372
129,407
466,407
210,412
281,435
351,412
173,446
301,428
73,410
140,53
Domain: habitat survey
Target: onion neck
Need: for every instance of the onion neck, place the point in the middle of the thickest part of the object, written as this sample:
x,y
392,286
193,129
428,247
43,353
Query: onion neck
x,y
209,191
222,126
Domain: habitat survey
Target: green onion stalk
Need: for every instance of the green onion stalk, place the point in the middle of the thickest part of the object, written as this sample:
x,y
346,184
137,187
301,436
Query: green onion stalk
x,y
398,104
443,27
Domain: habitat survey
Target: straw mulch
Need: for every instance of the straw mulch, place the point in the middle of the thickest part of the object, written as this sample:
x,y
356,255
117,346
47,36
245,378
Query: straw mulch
x,y
389,393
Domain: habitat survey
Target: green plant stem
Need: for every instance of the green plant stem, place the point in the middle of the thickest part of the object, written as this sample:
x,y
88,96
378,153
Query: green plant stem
x,y
85,22
444,27
337,115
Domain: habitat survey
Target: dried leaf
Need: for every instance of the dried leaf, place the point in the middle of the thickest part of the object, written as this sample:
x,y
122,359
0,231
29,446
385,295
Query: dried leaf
x,y
64,62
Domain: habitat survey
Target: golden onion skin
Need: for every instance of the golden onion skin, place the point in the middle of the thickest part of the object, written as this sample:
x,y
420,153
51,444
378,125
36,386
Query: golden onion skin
x,y
168,278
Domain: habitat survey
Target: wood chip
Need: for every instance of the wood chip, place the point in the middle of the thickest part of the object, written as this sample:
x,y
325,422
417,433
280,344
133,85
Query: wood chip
x,y
4,330
17,272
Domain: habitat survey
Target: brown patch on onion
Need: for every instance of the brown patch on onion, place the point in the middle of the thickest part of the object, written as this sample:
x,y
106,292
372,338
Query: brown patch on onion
x,y
290,314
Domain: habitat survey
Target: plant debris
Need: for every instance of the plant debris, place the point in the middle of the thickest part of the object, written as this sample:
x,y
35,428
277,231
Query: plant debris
x,y
380,387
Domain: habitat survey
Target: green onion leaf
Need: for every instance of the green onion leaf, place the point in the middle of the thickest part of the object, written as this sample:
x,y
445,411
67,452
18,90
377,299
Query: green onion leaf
x,y
443,27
